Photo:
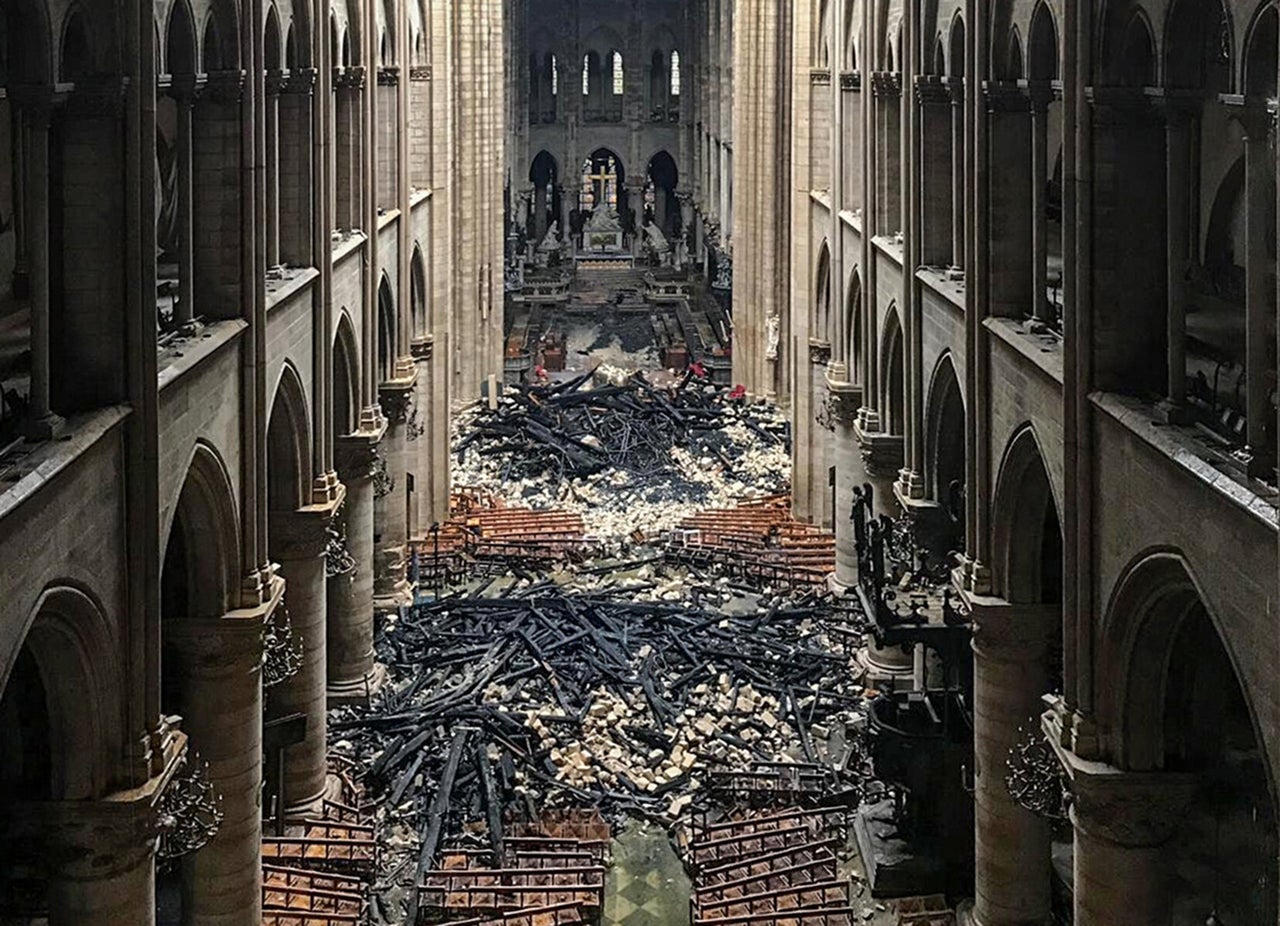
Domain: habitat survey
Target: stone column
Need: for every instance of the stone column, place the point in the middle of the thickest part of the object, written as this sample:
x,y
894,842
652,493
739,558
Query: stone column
x,y
1123,824
818,432
1178,259
186,209
391,527
297,541
274,84
220,664
1259,309
351,675
42,423
846,398
1012,846
1040,307
957,174
99,854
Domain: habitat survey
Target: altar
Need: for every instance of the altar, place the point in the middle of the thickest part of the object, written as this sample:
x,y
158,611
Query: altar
x,y
603,235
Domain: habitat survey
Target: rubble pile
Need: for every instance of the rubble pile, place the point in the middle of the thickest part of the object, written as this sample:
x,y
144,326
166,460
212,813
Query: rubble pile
x,y
623,452
542,698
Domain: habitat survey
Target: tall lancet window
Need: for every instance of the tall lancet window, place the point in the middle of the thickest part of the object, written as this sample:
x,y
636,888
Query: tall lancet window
x,y
618,82
675,73
555,76
586,75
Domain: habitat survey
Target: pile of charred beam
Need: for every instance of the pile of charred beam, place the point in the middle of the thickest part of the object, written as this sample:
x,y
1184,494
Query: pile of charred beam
x,y
581,428
774,858
537,700
758,542
484,534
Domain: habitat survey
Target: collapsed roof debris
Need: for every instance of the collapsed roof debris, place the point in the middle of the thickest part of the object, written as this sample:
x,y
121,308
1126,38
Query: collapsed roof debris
x,y
623,452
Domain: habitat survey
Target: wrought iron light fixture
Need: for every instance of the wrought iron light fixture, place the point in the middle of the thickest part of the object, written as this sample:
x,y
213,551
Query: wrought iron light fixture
x,y
190,812
1034,778
282,649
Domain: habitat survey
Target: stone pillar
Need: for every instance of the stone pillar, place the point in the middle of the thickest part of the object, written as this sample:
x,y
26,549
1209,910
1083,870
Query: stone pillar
x,y
1259,309
391,525
297,541
220,664
846,398
274,84
42,423
1040,307
818,428
1123,824
186,210
1009,278
351,675
99,855
1178,259
957,175
1012,846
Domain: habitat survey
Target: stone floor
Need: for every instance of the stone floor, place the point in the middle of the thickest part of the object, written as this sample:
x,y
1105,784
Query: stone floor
x,y
647,885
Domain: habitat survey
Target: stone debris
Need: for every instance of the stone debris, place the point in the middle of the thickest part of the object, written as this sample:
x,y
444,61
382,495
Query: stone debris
x,y
624,453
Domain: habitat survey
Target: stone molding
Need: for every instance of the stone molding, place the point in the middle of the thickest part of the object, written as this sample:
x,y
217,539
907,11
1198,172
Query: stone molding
x,y
303,534
882,453
819,352
886,84
422,349
301,81
348,78
931,90
1136,810
355,455
224,86
820,77
1007,632
420,73
95,840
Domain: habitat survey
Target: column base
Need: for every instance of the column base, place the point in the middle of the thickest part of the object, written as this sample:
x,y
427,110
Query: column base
x,y
358,691
401,594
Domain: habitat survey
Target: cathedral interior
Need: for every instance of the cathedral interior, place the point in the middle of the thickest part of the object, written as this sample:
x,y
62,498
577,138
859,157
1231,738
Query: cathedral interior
x,y
639,463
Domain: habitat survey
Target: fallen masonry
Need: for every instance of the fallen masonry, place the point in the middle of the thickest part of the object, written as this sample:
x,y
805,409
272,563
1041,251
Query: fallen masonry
x,y
623,452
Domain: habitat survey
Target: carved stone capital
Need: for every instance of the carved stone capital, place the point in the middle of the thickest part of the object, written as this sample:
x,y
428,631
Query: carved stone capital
x,y
303,534
819,352
97,96
846,398
1137,810
227,646
276,81
93,840
396,397
820,77
356,454
224,86
388,76
420,73
886,84
882,454
1005,97
301,81
1004,632
850,80
422,349
349,78
932,90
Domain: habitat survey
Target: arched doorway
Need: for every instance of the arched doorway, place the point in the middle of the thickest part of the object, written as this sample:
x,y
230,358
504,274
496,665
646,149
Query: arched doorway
x,y
1017,660
945,451
661,207
894,378
1174,699
296,540
211,676
544,174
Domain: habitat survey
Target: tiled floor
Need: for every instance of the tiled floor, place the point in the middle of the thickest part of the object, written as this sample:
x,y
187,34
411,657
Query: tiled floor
x,y
647,885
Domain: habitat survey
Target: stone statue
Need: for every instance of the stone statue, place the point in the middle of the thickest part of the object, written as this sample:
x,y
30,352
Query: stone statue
x,y
604,221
